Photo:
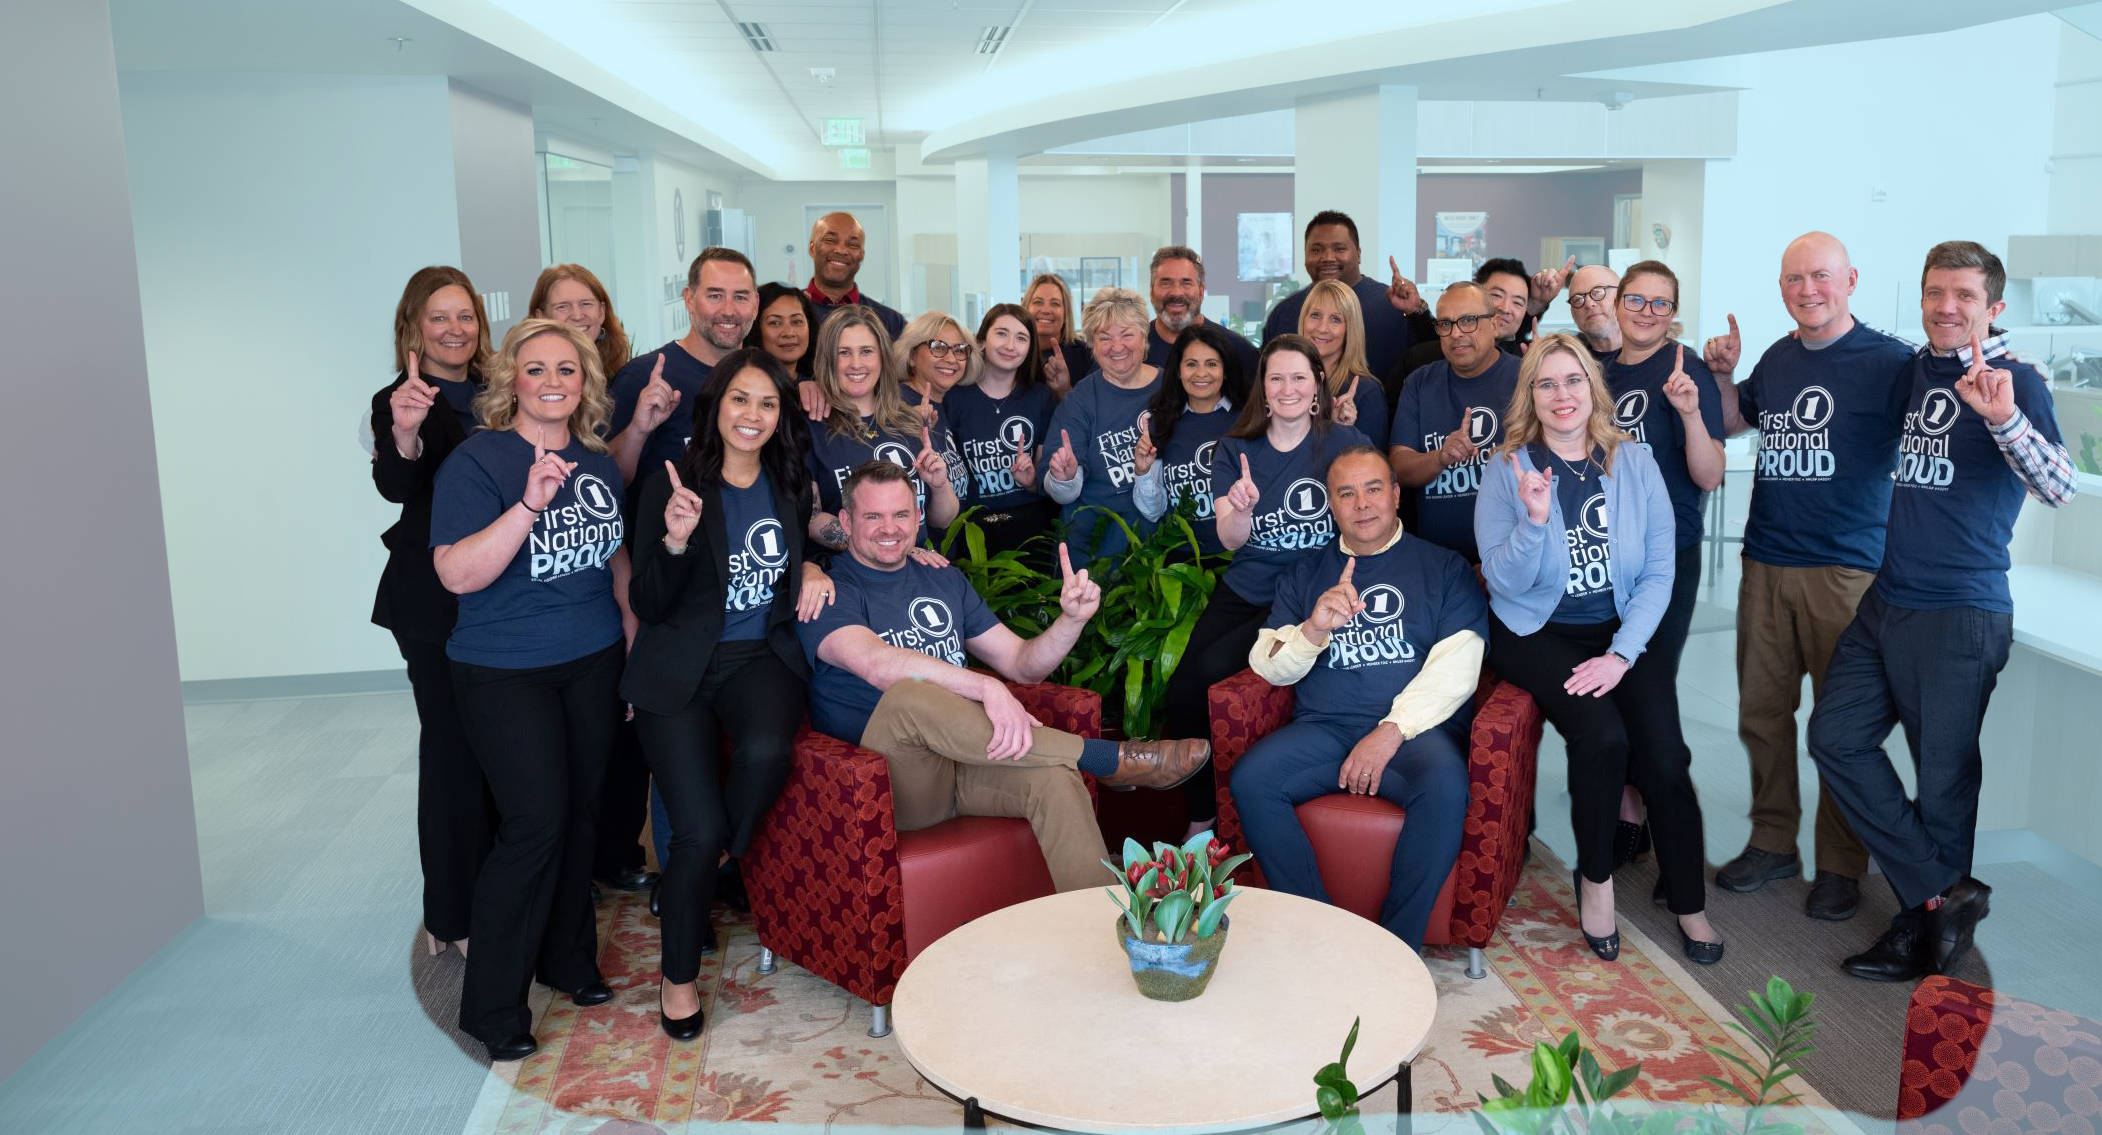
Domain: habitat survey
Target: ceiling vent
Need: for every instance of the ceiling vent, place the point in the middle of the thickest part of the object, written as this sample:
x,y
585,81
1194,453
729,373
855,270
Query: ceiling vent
x,y
758,37
993,38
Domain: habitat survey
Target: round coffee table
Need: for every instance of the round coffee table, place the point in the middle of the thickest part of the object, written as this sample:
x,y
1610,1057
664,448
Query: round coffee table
x,y
1030,1013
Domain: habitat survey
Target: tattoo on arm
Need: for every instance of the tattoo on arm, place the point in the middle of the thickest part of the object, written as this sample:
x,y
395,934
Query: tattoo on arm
x,y
831,535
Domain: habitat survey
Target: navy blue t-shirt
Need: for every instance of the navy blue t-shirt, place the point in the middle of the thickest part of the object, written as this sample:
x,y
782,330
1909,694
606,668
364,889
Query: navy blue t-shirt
x,y
1157,350
1416,595
1587,597
833,457
1102,420
1640,407
988,430
1386,330
1373,419
1433,403
554,601
1291,509
944,439
683,373
931,610
758,555
1828,423
1954,507
1186,468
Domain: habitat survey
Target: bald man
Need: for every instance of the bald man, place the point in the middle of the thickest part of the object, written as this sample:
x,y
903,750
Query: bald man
x,y
837,247
1594,304
1828,400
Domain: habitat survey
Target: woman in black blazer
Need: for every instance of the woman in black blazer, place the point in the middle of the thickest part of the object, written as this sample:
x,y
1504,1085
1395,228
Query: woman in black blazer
x,y
441,342
719,581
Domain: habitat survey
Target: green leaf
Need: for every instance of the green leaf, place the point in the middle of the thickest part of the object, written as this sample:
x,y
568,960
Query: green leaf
x,y
1133,851
1349,1042
1172,916
1550,1077
1613,1083
1504,1086
974,539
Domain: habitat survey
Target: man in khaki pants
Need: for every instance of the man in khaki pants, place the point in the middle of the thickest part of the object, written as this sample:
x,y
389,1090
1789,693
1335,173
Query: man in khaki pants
x,y
1828,400
887,660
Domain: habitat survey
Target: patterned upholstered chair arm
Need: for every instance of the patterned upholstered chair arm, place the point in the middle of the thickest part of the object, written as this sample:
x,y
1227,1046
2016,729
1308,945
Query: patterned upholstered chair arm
x,y
1061,707
1503,756
822,870
1243,709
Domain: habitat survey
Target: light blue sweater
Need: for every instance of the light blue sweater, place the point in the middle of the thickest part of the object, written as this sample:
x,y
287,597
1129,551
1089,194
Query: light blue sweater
x,y
1527,572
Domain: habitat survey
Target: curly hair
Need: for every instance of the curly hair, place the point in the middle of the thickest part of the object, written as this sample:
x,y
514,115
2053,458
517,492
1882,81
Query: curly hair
x,y
497,403
1112,305
613,347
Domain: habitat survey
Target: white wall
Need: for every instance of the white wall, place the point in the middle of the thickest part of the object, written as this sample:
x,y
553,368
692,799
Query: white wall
x,y
1674,195
277,218
777,208
497,187
1877,143
2076,150
1116,203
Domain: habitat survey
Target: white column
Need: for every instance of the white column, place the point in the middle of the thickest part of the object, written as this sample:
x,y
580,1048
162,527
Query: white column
x,y
1356,152
1193,204
988,233
634,263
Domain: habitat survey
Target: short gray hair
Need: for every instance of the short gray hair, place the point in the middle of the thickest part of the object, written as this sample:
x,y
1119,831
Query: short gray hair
x,y
1112,305
1175,252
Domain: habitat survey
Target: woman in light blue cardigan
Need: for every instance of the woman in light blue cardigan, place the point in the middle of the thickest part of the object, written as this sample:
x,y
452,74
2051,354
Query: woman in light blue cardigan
x,y
1576,536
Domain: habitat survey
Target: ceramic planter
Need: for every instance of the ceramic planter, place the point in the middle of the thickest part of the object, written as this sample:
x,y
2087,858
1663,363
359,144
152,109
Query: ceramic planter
x,y
1173,971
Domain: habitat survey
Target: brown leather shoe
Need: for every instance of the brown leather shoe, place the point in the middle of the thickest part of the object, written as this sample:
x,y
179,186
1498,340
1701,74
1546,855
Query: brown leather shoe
x,y
1157,764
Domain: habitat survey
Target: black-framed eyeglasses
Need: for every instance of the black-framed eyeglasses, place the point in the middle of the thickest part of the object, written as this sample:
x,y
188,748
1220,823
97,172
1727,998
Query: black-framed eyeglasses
x,y
1466,324
1595,295
942,349
1636,302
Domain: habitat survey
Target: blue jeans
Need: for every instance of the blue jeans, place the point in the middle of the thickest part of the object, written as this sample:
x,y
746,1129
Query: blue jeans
x,y
1932,672
1300,762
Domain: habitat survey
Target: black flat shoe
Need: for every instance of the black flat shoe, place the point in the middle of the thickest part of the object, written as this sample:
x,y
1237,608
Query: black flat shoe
x,y
596,993
1630,840
1698,952
516,1047
684,1028
1608,947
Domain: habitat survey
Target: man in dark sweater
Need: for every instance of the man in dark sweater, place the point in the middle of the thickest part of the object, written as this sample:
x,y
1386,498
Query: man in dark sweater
x,y
1176,280
1332,253
837,247
1511,294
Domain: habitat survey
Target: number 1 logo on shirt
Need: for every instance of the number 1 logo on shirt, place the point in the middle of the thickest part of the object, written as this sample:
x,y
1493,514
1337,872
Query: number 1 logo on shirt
x,y
1481,425
763,541
597,497
932,616
1307,499
1383,603
1813,408
1938,410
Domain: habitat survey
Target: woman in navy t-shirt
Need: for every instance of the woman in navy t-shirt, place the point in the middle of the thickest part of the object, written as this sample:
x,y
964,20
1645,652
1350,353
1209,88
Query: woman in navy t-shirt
x,y
719,581
526,529
1270,497
868,419
1087,462
1333,321
441,343
1190,413
998,421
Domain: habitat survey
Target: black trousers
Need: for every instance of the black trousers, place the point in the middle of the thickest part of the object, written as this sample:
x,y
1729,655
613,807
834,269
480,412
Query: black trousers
x,y
751,695
1218,650
624,804
1629,736
1932,672
455,816
542,737
1668,642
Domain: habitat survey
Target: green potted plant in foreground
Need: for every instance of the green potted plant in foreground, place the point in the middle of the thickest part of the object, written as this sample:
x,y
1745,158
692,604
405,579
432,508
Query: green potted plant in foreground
x,y
1172,921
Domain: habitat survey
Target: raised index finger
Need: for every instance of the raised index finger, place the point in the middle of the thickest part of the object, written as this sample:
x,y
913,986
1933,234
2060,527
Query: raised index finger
x,y
1569,263
1350,564
1977,350
1245,474
673,471
1680,365
1065,564
1733,325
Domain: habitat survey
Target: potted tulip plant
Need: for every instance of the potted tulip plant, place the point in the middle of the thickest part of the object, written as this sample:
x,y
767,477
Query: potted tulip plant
x,y
1172,922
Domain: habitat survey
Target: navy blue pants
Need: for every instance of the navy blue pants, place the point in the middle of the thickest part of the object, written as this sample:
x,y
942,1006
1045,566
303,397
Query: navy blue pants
x,y
1932,672
1300,762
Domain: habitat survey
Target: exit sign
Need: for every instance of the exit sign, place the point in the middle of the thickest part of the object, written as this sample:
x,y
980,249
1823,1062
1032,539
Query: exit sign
x,y
854,158
844,132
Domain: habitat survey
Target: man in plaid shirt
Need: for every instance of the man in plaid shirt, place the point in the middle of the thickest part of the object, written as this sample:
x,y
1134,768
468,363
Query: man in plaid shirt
x,y
1930,637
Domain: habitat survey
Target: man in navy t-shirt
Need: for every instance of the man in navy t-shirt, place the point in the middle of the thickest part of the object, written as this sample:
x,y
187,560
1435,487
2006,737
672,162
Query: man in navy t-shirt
x,y
1380,635
1450,416
837,247
1177,282
1926,647
888,661
1828,400
1332,253
654,395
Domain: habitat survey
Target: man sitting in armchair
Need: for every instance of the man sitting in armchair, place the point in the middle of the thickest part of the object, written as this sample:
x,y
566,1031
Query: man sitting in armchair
x,y
1381,635
888,673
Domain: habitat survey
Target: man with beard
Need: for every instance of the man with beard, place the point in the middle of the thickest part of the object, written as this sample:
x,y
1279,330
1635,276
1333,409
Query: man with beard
x,y
722,300
1177,275
1594,298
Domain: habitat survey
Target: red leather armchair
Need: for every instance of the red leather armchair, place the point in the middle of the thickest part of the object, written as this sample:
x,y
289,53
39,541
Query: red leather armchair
x,y
1354,836
1979,1060
837,889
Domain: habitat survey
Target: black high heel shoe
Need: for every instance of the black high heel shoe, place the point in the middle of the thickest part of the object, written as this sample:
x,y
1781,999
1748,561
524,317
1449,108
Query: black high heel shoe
x,y
1608,947
682,1028
1630,840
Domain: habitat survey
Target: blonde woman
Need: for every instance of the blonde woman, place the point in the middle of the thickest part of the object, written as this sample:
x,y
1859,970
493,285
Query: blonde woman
x,y
1067,360
1575,529
1092,434
526,529
1333,321
934,357
571,294
868,419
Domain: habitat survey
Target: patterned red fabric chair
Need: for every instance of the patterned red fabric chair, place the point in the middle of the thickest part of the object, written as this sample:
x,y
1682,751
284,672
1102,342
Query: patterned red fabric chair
x,y
838,890
1354,836
1977,1060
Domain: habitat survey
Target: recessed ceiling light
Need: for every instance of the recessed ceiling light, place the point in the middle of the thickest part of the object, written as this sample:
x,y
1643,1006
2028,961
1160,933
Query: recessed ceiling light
x,y
823,75
992,38
757,36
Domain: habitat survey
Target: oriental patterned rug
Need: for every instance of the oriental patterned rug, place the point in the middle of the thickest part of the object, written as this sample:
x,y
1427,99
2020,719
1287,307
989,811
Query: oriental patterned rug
x,y
790,1048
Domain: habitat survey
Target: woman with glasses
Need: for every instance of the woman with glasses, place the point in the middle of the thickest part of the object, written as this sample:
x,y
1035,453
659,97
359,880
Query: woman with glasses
x,y
571,294
1333,321
1576,530
1067,360
937,357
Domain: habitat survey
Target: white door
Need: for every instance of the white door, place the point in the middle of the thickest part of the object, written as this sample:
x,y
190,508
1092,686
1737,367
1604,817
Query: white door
x,y
875,279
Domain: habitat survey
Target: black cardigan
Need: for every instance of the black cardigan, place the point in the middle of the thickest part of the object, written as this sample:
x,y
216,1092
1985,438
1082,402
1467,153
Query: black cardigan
x,y
411,602
679,599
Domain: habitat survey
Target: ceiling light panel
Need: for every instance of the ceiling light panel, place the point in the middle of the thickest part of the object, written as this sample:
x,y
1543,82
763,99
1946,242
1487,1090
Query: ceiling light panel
x,y
993,38
756,35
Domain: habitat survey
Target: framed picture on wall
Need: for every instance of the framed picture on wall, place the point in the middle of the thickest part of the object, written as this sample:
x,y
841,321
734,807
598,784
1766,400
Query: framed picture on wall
x,y
1264,245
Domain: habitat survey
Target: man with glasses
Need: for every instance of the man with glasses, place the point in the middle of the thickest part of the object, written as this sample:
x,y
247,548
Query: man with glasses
x,y
1450,415
1828,400
1509,290
1177,284
1594,292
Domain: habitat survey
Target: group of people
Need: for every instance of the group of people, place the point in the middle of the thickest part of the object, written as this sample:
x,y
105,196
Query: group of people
x,y
609,567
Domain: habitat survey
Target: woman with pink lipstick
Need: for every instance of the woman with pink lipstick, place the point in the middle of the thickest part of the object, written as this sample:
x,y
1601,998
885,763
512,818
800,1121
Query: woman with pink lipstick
x,y
1333,321
1066,358
1575,529
785,327
869,420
